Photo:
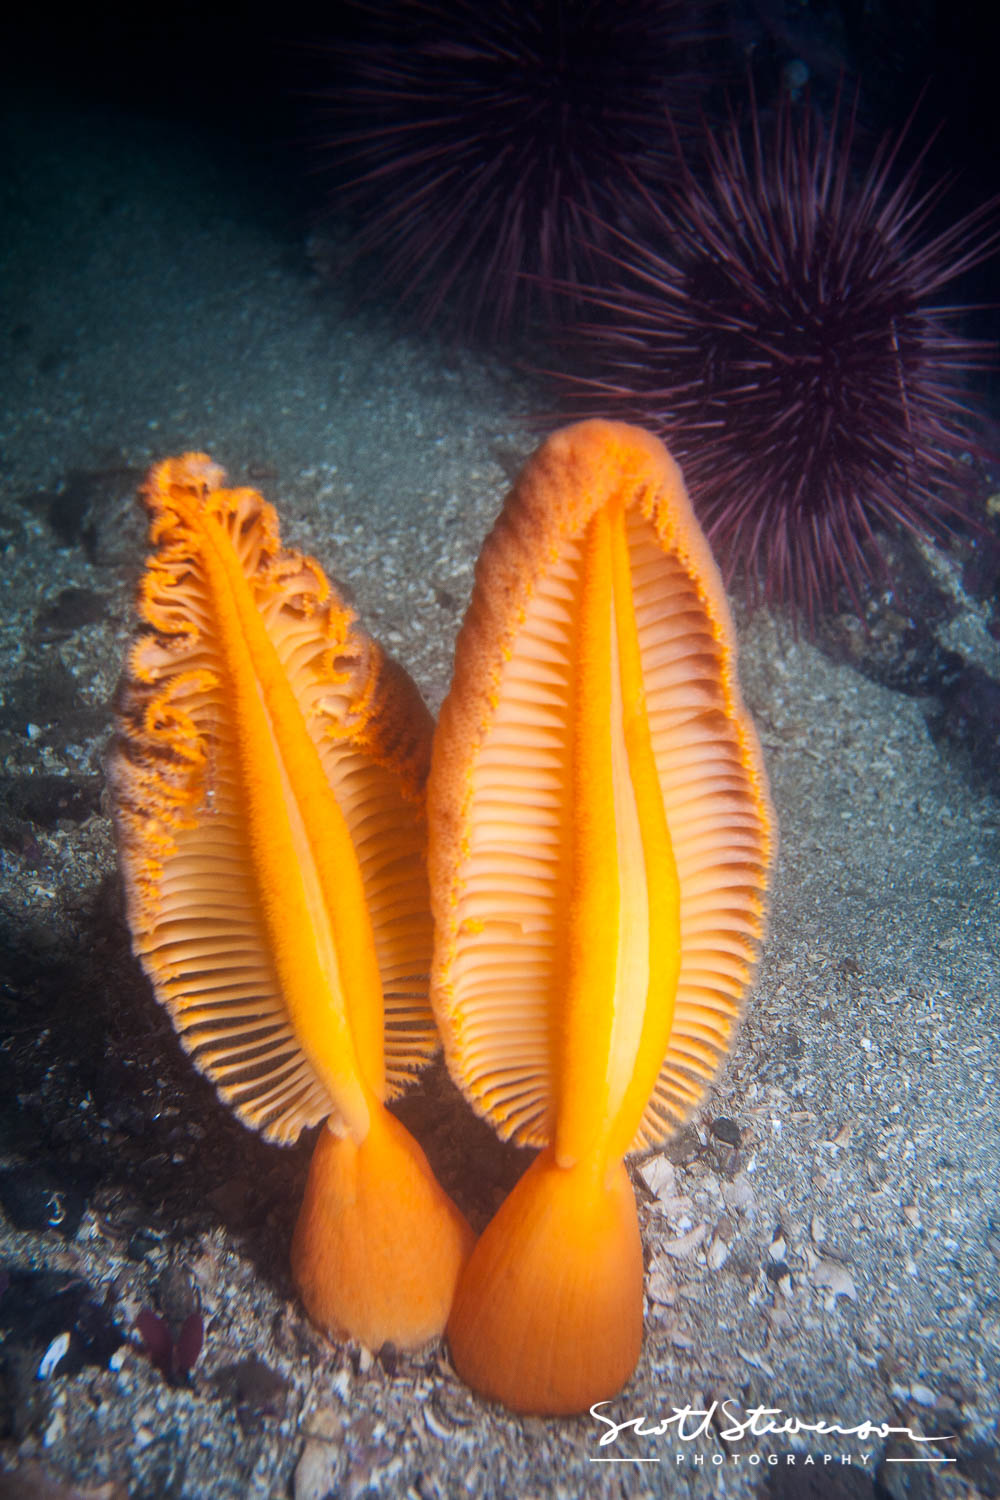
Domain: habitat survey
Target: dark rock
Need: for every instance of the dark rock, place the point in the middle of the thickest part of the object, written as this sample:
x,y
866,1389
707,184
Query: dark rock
x,y
903,1481
12,529
76,511
141,1244
896,642
71,609
44,695
726,1140
30,1481
68,512
38,1306
969,721
255,1390
980,1463
788,1043
819,1483
45,799
726,1130
981,570
39,1198
684,1147
8,1422
176,1294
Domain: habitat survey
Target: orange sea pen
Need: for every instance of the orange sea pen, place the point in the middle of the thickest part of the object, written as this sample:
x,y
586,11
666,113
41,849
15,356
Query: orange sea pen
x,y
267,779
600,835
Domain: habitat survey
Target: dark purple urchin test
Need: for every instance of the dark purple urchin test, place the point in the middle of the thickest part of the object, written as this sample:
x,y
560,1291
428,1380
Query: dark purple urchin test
x,y
478,145
777,320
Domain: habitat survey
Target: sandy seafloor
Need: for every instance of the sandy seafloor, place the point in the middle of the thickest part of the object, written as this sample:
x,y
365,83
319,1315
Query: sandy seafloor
x,y
843,1264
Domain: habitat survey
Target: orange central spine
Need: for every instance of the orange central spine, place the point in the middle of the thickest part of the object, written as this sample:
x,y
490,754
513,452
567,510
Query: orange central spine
x,y
334,997
620,965
588,982
662,885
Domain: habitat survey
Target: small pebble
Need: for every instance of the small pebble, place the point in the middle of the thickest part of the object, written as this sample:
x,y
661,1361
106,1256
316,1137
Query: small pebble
x,y
53,1356
660,1287
718,1253
834,1277
56,1430
739,1194
317,1472
687,1244
660,1176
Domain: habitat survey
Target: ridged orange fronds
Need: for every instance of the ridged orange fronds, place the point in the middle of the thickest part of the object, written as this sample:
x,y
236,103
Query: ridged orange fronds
x,y
600,823
267,778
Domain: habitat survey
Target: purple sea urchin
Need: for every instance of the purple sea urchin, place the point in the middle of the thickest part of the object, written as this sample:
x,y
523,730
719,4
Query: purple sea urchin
x,y
478,143
777,325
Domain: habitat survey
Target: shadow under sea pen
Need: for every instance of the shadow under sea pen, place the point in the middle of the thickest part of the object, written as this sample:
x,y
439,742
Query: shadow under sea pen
x,y
600,839
281,911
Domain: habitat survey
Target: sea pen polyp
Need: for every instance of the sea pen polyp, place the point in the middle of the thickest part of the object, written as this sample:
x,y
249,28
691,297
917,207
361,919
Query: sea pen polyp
x,y
267,780
600,839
